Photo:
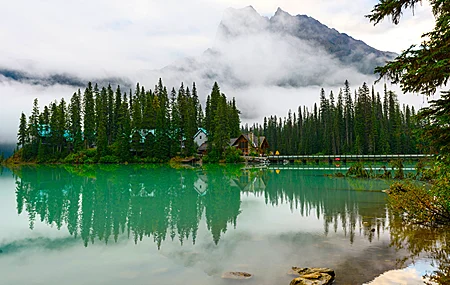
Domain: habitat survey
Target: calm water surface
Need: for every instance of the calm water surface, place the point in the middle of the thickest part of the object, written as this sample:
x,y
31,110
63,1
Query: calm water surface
x,y
159,225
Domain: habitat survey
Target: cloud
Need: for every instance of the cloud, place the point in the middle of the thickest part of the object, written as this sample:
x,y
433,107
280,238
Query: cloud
x,y
348,17
400,276
110,38
113,39
17,97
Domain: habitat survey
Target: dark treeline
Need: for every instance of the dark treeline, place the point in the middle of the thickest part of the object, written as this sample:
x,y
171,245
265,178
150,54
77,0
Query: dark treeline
x,y
103,125
363,122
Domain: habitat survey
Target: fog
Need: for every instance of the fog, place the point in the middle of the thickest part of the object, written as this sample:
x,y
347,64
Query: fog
x,y
269,72
17,97
255,102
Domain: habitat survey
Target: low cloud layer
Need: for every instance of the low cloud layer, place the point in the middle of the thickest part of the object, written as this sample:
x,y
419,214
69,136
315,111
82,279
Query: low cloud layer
x,y
17,97
126,43
251,50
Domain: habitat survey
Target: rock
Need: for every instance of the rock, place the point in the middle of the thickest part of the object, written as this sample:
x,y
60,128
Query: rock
x,y
305,270
236,275
312,276
315,275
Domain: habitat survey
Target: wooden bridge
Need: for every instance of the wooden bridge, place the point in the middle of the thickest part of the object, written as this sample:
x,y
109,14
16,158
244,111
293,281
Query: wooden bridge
x,y
344,158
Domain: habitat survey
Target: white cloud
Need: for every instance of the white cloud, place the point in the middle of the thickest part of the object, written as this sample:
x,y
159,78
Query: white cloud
x,y
94,39
115,37
17,97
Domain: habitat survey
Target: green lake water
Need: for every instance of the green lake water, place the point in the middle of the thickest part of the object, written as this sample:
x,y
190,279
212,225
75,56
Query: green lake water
x,y
159,225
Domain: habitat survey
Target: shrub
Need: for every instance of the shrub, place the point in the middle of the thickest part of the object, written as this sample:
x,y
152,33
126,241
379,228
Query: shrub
x,y
397,166
212,157
70,159
91,152
151,160
358,170
421,204
233,155
109,159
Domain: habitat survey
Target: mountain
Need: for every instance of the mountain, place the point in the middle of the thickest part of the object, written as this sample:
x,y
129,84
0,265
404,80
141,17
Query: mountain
x,y
7,149
51,79
282,50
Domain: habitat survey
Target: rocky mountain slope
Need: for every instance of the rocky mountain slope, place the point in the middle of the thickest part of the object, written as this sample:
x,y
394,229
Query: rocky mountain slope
x,y
283,50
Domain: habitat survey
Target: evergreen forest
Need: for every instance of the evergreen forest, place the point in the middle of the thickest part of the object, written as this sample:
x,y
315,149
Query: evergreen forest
x,y
103,125
106,126
363,122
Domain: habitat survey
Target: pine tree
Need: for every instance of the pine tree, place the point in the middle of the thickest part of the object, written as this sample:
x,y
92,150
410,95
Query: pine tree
x,y
348,117
102,120
235,121
110,123
191,123
124,130
221,126
116,114
61,128
162,139
175,126
75,120
22,134
56,134
89,116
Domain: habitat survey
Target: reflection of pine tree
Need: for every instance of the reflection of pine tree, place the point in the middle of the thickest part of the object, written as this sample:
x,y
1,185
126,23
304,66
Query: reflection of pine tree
x,y
87,209
308,192
222,203
103,202
73,206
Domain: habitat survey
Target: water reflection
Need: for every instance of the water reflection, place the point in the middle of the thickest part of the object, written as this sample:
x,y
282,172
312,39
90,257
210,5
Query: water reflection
x,y
273,219
420,242
335,200
103,202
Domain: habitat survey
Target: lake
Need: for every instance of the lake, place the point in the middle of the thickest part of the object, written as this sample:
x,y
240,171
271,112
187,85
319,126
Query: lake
x,y
136,224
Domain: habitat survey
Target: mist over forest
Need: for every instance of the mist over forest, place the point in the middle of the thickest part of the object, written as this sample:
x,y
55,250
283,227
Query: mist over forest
x,y
269,64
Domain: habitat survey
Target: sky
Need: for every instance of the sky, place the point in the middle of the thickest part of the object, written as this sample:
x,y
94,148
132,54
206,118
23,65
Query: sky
x,y
99,38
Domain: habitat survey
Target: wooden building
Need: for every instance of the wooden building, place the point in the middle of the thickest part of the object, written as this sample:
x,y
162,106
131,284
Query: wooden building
x,y
249,143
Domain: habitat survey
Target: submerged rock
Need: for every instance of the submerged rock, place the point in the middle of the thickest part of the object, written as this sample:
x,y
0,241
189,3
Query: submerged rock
x,y
236,275
312,276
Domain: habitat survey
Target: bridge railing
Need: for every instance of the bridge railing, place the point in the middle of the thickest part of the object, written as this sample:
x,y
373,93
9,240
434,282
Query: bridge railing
x,y
350,156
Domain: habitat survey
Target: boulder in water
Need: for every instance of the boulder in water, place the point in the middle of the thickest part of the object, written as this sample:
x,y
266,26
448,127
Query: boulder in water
x,y
312,276
236,275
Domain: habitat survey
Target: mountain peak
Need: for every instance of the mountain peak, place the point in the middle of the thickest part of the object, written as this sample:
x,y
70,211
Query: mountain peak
x,y
250,8
281,12
283,50
237,22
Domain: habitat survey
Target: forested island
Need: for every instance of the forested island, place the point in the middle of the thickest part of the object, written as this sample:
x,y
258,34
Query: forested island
x,y
106,126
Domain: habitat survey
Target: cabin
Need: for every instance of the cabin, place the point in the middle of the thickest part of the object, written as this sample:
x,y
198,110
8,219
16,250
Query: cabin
x,y
139,138
203,148
247,183
248,143
141,135
201,185
201,136
45,132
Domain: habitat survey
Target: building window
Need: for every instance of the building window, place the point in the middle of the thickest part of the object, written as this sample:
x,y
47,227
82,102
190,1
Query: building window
x,y
200,137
